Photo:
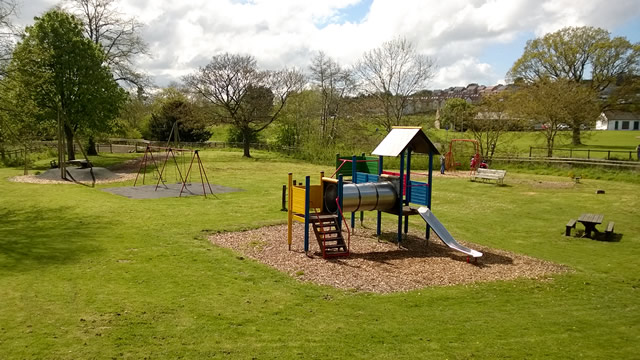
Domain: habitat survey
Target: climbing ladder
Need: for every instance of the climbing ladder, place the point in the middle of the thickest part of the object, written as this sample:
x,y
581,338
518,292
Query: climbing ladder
x,y
329,235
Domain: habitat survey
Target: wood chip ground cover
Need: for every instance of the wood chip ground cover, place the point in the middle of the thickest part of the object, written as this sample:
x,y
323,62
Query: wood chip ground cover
x,y
378,265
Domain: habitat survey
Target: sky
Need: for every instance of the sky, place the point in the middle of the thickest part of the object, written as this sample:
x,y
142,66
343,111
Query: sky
x,y
471,41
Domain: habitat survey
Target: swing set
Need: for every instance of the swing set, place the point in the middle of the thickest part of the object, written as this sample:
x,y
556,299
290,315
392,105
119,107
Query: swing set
x,y
170,153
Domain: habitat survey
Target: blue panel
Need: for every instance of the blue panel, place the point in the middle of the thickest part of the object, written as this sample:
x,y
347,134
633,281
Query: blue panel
x,y
419,193
363,178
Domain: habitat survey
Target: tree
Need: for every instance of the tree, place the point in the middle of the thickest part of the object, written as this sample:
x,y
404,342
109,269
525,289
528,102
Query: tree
x,y
244,96
118,36
391,73
178,120
333,83
574,53
492,120
553,103
455,113
7,31
62,73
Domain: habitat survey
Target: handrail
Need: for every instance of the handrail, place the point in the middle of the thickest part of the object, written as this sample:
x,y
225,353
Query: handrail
x,y
324,235
339,167
347,225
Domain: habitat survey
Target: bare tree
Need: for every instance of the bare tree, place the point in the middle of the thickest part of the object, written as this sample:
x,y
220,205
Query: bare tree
x,y
492,119
244,96
7,32
391,73
118,35
333,83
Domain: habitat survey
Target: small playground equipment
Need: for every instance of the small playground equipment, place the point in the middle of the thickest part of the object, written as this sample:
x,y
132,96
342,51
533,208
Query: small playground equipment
x,y
452,162
362,185
148,159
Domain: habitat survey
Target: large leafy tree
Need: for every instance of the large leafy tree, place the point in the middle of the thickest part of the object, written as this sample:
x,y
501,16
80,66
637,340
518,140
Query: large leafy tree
x,y
585,55
63,74
242,95
553,103
177,120
456,114
392,73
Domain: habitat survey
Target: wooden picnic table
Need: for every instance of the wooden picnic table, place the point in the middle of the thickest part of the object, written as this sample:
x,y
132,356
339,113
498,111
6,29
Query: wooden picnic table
x,y
590,221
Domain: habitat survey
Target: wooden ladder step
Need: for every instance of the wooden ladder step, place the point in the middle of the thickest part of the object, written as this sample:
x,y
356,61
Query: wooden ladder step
x,y
330,232
323,218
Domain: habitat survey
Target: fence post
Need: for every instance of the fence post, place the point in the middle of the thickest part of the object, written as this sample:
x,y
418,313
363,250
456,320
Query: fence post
x,y
589,154
609,155
530,149
111,147
571,153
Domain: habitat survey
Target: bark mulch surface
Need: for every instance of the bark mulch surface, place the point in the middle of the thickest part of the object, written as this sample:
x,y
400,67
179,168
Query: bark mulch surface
x,y
378,265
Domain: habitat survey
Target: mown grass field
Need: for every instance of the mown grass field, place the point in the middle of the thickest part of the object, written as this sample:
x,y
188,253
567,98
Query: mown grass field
x,y
87,274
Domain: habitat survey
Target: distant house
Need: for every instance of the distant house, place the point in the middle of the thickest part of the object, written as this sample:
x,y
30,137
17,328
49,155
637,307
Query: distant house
x,y
618,120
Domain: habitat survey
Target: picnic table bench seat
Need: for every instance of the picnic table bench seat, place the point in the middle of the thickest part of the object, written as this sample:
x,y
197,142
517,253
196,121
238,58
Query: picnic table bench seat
x,y
489,174
570,225
609,231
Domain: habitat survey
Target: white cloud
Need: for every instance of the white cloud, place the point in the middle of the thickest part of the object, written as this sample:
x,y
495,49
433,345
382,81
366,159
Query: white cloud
x,y
184,35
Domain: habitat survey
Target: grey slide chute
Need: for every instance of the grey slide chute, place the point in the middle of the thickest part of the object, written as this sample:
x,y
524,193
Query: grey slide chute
x,y
443,234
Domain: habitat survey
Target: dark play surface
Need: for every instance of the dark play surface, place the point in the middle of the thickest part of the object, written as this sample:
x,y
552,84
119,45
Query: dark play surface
x,y
171,190
83,175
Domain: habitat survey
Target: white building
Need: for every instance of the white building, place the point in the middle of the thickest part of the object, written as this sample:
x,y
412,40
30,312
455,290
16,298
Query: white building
x,y
618,120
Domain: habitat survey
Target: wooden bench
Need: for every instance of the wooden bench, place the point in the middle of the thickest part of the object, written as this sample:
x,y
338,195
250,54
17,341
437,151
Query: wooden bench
x,y
609,231
570,225
489,174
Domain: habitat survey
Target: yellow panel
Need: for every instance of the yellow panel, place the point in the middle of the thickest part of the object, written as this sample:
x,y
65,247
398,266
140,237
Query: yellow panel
x,y
315,196
298,199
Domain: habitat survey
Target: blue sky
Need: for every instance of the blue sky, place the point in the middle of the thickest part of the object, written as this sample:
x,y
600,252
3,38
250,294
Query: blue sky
x,y
471,40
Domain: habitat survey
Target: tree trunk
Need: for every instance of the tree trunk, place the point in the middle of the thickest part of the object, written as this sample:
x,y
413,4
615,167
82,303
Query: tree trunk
x,y
91,147
549,147
246,139
70,151
575,140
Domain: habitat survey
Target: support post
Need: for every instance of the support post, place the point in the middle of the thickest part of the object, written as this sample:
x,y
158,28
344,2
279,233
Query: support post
x,y
307,193
284,198
407,199
354,180
400,197
340,185
290,212
429,189
379,217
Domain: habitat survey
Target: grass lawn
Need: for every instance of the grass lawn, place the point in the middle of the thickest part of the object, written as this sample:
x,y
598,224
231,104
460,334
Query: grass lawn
x,y
87,274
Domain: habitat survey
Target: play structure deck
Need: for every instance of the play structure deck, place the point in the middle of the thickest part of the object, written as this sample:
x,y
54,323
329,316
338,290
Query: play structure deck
x,y
360,184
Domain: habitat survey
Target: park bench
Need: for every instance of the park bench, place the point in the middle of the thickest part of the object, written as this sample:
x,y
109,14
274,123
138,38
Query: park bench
x,y
489,174
609,231
570,225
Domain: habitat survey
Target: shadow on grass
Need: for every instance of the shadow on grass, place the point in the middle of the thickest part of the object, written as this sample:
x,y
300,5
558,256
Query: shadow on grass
x,y
417,247
37,237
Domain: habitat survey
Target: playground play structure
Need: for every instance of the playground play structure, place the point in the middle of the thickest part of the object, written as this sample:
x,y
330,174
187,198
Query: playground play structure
x,y
170,153
361,184
453,158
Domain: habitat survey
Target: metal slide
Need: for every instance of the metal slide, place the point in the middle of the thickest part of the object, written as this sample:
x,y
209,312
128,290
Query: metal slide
x,y
444,235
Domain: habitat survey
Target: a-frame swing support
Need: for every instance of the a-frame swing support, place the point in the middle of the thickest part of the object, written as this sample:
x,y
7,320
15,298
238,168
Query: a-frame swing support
x,y
196,154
